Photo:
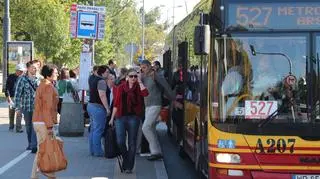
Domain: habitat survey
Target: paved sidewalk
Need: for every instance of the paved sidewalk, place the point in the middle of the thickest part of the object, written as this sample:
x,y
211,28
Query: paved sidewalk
x,y
80,164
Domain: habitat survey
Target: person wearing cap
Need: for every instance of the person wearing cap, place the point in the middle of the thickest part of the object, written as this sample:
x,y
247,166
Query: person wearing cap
x,y
155,84
9,92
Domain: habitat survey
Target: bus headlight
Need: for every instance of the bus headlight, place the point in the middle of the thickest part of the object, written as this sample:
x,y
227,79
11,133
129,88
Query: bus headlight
x,y
228,158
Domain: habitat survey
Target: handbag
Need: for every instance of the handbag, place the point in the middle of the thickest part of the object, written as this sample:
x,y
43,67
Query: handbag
x,y
67,97
111,148
51,157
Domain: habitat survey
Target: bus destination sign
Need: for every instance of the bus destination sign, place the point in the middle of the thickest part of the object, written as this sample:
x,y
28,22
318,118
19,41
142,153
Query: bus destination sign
x,y
283,16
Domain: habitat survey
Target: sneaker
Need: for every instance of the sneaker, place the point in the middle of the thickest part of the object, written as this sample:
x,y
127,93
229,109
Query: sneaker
x,y
28,148
145,154
128,171
154,157
19,131
34,150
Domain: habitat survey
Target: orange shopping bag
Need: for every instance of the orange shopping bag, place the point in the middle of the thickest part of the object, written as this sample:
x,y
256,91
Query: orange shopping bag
x,y
51,157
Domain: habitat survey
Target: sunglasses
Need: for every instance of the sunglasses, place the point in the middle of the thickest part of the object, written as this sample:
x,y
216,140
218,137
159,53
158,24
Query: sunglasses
x,y
133,76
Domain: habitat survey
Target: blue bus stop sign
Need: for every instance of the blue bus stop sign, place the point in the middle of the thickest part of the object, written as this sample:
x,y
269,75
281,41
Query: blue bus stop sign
x,y
87,25
140,59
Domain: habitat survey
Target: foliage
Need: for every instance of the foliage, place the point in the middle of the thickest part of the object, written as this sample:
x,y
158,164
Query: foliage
x,y
184,31
154,35
46,23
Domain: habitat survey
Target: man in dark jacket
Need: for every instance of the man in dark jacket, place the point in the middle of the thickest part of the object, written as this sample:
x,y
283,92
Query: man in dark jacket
x,y
9,92
112,67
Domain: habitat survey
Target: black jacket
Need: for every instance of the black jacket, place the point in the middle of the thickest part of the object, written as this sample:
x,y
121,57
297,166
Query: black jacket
x,y
10,85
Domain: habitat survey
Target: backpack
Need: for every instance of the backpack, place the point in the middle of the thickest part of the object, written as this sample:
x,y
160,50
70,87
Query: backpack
x,y
164,100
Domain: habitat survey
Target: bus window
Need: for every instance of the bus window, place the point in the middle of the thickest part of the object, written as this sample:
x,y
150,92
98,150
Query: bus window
x,y
255,86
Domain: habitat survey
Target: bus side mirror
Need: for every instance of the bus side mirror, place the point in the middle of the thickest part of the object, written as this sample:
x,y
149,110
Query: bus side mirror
x,y
202,40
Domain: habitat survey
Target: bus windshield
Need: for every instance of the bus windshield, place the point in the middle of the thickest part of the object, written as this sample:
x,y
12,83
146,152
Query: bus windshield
x,y
266,77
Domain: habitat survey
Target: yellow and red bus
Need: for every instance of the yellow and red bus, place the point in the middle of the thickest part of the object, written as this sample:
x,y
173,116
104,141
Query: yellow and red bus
x,y
252,109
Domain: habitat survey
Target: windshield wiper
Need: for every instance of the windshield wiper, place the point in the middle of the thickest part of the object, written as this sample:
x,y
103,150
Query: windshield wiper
x,y
275,113
253,27
268,119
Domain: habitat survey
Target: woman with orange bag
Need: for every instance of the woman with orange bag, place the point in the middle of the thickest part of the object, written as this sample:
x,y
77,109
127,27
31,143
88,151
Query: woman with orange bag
x,y
45,112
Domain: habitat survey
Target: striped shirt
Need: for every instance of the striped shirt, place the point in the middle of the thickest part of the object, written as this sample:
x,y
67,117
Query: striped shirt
x,y
25,94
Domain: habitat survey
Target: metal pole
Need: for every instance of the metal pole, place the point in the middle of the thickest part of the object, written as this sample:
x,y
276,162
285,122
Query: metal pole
x,y
6,38
131,54
143,29
173,6
185,3
93,41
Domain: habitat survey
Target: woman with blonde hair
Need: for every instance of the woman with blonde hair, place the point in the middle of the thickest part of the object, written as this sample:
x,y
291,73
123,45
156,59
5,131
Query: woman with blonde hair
x,y
126,114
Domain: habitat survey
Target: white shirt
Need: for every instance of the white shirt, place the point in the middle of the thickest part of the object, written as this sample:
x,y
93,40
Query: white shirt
x,y
111,96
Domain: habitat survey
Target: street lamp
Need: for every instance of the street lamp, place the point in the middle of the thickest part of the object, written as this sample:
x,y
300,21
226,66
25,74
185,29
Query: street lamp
x,y
143,19
173,7
254,53
143,28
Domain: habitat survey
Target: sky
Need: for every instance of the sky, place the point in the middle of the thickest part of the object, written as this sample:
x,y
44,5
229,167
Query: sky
x,y
180,10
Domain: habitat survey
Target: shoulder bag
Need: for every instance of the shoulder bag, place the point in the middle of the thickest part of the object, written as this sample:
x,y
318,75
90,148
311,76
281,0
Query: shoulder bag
x,y
67,96
51,157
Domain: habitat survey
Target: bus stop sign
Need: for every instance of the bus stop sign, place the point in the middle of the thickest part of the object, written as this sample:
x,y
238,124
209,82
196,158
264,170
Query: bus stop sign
x,y
87,22
290,80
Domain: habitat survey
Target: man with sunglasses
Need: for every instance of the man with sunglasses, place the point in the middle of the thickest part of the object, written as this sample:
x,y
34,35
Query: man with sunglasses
x,y
155,84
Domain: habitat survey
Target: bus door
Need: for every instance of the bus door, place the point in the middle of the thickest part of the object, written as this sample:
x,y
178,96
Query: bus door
x,y
167,67
179,79
317,69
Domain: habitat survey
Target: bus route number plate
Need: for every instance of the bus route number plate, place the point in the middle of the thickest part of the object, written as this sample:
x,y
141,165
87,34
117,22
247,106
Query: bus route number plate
x,y
306,177
259,109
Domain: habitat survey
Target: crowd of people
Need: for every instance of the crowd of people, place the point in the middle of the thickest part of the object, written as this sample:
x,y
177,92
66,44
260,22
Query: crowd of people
x,y
33,92
129,100
131,103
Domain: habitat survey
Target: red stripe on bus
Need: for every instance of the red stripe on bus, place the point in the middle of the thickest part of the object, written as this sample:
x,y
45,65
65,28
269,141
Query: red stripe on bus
x,y
253,148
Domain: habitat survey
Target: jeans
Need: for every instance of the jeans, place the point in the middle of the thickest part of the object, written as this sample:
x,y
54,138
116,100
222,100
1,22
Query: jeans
x,y
32,138
149,128
98,117
130,125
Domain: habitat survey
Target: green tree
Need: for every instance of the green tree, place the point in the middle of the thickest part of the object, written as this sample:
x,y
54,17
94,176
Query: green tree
x,y
154,34
45,22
